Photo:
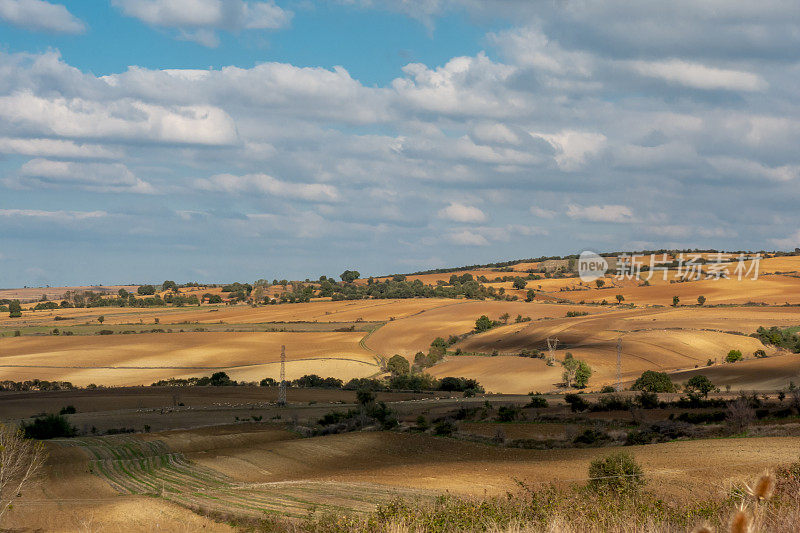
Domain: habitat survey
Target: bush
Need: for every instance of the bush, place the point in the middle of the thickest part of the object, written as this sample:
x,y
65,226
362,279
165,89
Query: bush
x,y
576,402
733,356
484,323
647,400
508,414
444,428
635,438
590,436
618,472
50,426
612,402
68,410
652,381
537,401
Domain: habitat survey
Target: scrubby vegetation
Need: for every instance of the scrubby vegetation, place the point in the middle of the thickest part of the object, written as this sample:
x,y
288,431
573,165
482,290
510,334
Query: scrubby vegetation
x,y
409,381
50,426
784,338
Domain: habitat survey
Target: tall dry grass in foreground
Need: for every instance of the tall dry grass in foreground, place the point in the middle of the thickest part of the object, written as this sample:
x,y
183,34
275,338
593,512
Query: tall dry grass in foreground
x,y
771,504
21,461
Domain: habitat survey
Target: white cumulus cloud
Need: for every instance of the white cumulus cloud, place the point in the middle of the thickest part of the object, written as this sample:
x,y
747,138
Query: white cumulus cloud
x,y
198,20
699,76
462,213
265,184
468,238
600,213
100,177
39,15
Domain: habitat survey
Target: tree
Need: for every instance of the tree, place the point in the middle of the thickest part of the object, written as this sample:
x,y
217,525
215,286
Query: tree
x,y
21,460
519,283
582,375
620,298
398,364
145,290
484,323
600,283
576,373
701,300
675,301
169,285
530,296
733,356
219,379
504,317
618,472
349,276
101,319
700,384
570,369
652,381
14,309
122,293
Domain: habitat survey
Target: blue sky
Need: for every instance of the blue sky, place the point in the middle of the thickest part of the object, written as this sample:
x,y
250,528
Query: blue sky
x,y
219,140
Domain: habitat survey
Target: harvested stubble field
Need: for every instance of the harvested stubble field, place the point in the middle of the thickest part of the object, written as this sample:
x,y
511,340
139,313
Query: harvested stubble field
x,y
132,465
665,339
125,360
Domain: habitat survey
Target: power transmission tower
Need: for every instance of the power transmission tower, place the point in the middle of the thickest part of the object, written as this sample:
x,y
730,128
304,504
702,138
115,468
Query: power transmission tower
x,y
282,386
618,386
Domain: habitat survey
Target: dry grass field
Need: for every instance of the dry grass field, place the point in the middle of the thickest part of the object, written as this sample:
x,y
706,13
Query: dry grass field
x,y
141,359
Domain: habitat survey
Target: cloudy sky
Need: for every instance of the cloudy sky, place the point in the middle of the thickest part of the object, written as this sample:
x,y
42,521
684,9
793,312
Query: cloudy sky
x,y
214,140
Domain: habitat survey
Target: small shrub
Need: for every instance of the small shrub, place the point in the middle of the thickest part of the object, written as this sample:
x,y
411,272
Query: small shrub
x,y
68,410
508,414
618,472
444,428
576,402
635,438
647,400
537,401
590,436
